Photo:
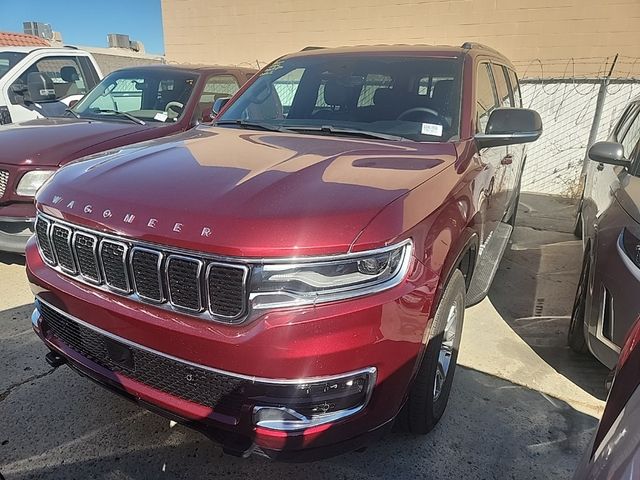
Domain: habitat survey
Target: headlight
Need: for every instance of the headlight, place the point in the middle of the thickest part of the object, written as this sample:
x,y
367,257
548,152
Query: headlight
x,y
32,181
309,281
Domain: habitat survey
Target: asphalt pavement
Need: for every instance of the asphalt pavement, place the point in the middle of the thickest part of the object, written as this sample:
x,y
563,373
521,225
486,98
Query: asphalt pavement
x,y
523,406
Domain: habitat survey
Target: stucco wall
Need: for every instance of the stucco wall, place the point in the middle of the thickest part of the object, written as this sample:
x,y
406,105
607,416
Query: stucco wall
x,y
246,31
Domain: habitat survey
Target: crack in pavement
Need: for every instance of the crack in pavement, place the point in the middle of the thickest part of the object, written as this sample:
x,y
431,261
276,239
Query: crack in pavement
x,y
11,388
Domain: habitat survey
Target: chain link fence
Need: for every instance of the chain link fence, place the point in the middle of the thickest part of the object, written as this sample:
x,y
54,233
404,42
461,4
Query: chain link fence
x,y
576,109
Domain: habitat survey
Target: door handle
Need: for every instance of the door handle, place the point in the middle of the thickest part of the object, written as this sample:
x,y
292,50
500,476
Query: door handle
x,y
507,159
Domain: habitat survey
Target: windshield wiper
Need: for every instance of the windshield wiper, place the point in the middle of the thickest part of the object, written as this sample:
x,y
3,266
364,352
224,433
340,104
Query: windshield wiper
x,y
353,132
125,114
252,125
72,112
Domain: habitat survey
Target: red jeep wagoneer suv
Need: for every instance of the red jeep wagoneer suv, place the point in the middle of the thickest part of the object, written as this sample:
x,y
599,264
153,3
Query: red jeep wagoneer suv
x,y
293,278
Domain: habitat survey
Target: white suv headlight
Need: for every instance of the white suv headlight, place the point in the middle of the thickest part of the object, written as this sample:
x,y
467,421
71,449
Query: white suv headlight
x,y
32,181
307,281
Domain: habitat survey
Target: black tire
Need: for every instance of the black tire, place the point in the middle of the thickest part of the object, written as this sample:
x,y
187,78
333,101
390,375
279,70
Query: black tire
x,y
575,337
423,410
512,218
577,225
514,213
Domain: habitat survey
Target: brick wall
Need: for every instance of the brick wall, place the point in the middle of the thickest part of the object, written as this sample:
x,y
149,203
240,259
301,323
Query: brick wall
x,y
246,31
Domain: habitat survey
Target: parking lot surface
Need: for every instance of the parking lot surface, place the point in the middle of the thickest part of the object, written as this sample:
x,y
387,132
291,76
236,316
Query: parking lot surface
x,y
522,406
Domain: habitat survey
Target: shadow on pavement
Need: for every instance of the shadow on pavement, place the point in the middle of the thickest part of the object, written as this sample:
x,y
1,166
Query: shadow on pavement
x,y
11,258
65,427
535,286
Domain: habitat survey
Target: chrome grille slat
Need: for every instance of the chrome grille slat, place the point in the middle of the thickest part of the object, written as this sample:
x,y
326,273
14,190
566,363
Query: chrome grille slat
x,y
171,279
44,241
113,259
184,282
224,301
85,248
4,181
146,267
61,240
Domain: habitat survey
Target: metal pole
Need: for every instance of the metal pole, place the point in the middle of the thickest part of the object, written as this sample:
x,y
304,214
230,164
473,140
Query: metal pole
x,y
597,116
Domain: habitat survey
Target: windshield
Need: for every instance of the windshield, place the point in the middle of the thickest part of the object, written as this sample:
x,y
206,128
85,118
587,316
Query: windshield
x,y
153,95
8,60
414,98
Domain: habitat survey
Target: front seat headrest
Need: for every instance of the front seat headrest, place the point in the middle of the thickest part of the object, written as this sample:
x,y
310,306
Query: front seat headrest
x,y
69,74
40,87
336,94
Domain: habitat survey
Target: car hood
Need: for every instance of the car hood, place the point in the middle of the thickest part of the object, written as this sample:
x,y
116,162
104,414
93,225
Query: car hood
x,y
240,192
52,141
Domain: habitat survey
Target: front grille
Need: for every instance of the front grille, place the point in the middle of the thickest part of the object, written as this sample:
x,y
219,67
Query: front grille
x,y
113,256
4,180
155,275
183,276
85,246
226,290
44,241
198,385
61,239
146,273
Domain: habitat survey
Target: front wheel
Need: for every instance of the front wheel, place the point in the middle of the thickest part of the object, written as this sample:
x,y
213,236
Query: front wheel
x,y
430,391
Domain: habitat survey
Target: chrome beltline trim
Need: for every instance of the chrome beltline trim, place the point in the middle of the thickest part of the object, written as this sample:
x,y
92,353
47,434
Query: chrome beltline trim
x,y
277,381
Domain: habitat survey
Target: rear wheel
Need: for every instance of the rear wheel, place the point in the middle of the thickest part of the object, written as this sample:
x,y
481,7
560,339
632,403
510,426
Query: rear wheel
x,y
514,213
430,391
576,338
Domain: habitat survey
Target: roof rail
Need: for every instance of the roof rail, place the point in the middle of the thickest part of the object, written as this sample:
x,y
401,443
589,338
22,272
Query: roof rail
x,y
471,45
310,47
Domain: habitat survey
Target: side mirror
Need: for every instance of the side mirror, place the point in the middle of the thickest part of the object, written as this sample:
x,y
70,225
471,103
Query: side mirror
x,y
218,104
509,126
611,153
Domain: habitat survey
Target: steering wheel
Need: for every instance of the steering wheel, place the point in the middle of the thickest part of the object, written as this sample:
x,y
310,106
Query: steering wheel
x,y
406,113
175,108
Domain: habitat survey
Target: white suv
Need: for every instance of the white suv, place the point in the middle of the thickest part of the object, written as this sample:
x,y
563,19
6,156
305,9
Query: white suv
x,y
42,81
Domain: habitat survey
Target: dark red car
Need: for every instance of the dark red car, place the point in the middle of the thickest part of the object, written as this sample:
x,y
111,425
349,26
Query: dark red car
x,y
128,106
293,278
614,453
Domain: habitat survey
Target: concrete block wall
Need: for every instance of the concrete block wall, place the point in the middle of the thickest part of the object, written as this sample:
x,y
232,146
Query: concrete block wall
x,y
250,31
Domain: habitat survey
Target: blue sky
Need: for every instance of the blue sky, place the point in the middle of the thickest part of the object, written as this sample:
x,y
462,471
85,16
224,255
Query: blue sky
x,y
87,22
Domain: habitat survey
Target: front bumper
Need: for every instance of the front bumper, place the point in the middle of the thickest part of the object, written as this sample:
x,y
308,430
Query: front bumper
x,y
16,226
384,332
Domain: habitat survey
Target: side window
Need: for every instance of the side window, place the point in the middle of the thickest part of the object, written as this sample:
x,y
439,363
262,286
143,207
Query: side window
x,y
217,86
91,78
485,96
631,137
515,88
372,82
502,87
286,88
428,86
625,122
50,79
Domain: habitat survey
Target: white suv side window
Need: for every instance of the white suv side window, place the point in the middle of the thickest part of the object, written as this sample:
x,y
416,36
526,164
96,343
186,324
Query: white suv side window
x,y
49,79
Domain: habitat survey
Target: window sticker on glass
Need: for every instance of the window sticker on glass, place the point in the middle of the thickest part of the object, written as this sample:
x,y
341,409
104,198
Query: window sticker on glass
x,y
431,129
161,117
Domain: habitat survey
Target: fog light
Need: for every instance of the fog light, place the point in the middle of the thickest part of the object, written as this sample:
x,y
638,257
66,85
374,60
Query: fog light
x,y
303,405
